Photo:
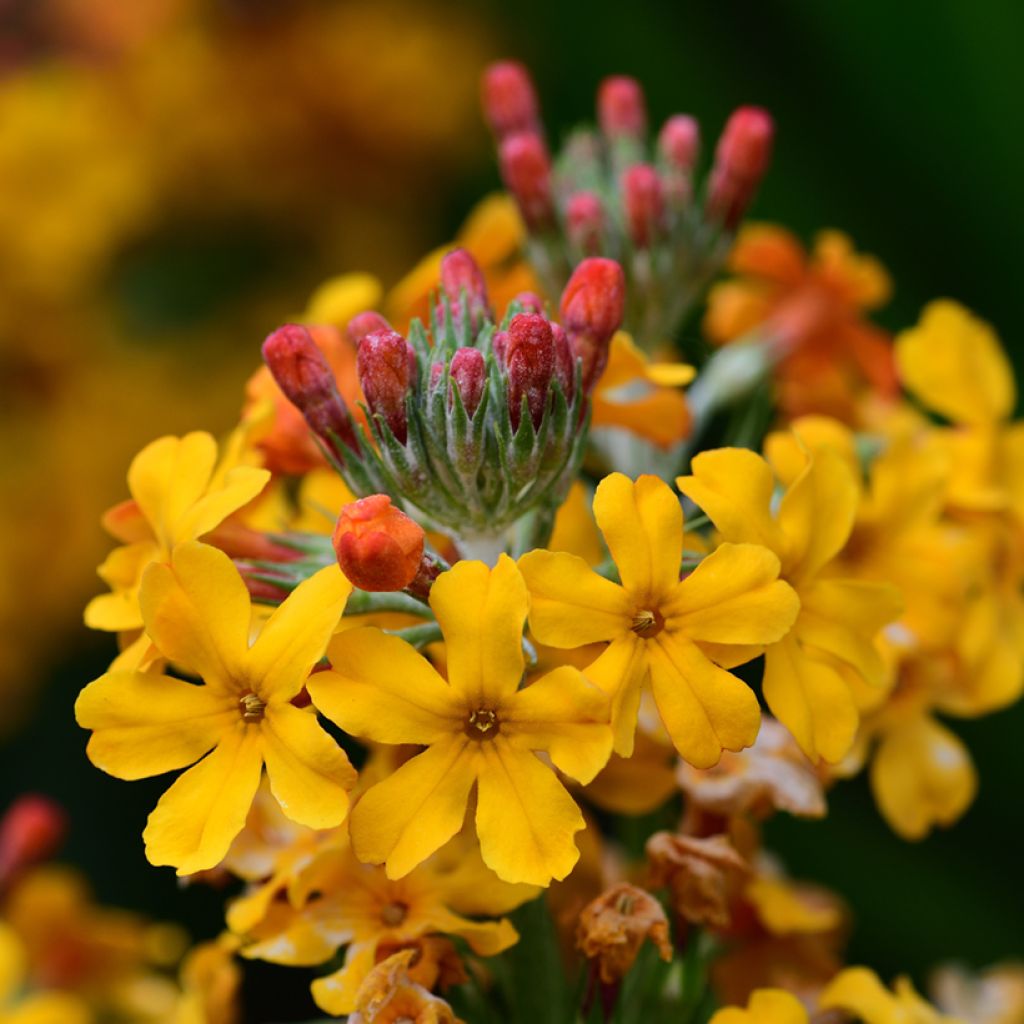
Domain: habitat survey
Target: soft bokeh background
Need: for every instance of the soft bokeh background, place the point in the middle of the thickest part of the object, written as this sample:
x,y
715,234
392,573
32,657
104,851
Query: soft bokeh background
x,y
176,177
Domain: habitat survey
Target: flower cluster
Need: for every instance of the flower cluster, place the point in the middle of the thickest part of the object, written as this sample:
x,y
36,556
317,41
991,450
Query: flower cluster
x,y
414,636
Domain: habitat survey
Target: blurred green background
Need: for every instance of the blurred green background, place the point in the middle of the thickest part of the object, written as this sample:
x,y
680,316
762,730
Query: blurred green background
x,y
898,123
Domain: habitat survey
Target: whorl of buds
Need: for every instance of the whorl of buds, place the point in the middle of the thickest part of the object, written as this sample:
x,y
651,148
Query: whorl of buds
x,y
643,199
386,365
530,359
365,323
379,548
591,311
741,160
469,376
509,99
526,171
462,281
621,109
584,222
31,830
302,372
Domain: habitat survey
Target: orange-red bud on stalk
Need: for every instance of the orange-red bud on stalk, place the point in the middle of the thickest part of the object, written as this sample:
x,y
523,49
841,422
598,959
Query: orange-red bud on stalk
x,y
379,548
302,372
509,99
30,831
386,364
463,281
643,198
741,160
469,375
365,323
530,358
584,222
526,171
621,109
592,308
679,142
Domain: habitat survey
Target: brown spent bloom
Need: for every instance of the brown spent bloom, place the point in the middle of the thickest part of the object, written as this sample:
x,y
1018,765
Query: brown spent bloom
x,y
703,875
772,775
389,996
435,962
613,927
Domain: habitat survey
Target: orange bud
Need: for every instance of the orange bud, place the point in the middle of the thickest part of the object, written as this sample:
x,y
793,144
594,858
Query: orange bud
x,y
379,548
30,831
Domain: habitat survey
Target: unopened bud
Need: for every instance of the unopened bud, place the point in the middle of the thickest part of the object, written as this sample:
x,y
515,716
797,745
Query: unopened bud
x,y
741,160
463,282
386,364
644,200
469,375
526,171
592,307
530,302
565,362
302,372
679,142
584,222
509,99
621,110
379,548
530,359
499,346
31,831
366,323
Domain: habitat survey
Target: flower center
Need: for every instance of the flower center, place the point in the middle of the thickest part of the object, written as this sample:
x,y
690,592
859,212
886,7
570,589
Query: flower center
x,y
647,623
252,707
394,914
482,724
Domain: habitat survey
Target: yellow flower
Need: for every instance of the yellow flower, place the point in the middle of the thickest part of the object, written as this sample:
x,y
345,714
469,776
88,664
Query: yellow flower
x,y
806,675
669,634
479,729
766,1006
34,1007
858,991
197,612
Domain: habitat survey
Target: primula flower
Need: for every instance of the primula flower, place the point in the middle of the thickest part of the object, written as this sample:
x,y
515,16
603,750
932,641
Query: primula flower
x,y
664,632
197,612
805,675
479,729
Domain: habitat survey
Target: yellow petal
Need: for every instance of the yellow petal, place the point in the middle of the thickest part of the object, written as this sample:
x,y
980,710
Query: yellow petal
x,y
340,298
401,821
524,817
811,699
642,524
150,724
241,485
383,690
115,612
734,487
295,636
922,776
570,605
168,477
481,612
575,530
336,993
195,821
705,709
566,716
485,938
620,672
953,363
734,596
197,612
766,1006
309,773
859,991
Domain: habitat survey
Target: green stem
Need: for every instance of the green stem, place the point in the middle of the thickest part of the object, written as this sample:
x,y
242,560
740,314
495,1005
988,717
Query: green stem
x,y
362,603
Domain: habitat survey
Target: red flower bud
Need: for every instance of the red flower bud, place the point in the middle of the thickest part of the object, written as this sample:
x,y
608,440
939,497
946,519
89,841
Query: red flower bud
x,y
509,99
366,323
386,364
31,831
621,110
679,142
379,548
591,311
463,281
469,374
499,346
644,200
526,171
530,301
530,359
565,362
741,160
584,222
304,375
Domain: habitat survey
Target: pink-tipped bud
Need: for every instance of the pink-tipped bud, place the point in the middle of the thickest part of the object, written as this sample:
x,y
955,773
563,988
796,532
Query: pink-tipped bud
x,y
679,142
643,198
302,372
469,375
526,171
366,323
531,302
31,831
463,282
621,110
386,364
499,346
741,160
530,359
584,222
565,362
379,548
509,99
591,311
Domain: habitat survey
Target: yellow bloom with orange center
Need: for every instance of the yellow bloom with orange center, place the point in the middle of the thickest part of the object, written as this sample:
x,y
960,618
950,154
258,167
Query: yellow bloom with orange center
x,y
198,614
479,729
668,634
806,674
